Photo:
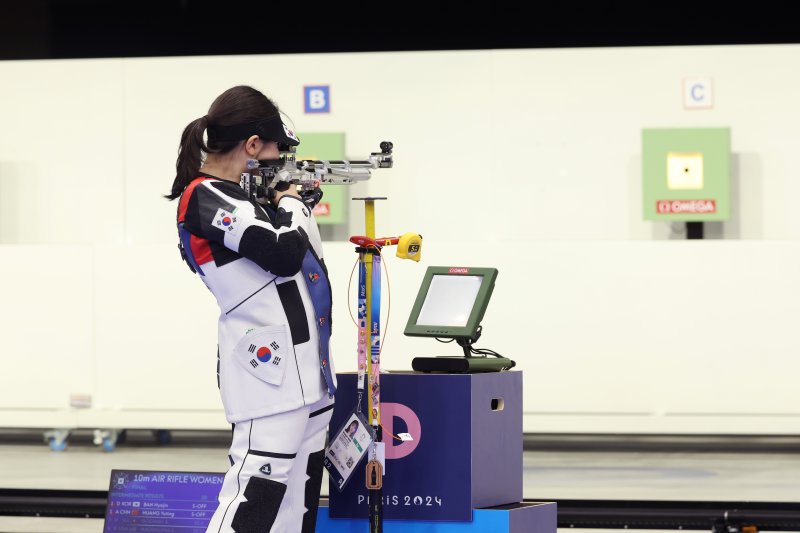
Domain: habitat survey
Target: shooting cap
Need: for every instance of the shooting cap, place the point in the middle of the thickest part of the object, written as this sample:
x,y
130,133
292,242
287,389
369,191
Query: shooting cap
x,y
271,129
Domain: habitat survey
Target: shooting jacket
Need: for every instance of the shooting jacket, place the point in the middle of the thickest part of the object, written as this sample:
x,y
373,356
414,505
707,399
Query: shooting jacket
x,y
266,271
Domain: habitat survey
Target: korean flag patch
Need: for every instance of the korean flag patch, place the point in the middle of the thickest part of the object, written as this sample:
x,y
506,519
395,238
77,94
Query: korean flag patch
x,y
290,133
227,221
262,352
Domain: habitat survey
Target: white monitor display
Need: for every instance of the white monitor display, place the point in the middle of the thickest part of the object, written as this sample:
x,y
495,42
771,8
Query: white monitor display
x,y
449,300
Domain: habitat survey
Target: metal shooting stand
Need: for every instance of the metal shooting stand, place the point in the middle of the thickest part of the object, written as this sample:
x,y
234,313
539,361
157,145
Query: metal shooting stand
x,y
369,307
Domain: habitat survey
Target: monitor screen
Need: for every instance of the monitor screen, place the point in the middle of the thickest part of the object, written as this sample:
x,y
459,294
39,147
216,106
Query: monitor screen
x,y
451,302
161,502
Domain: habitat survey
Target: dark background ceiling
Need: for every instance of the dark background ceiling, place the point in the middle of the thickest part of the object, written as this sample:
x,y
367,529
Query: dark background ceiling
x,y
42,29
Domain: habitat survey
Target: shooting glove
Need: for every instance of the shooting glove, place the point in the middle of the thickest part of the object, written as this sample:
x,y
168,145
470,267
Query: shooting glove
x,y
311,197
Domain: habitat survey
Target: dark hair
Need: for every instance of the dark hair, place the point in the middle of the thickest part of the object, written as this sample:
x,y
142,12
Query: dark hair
x,y
237,105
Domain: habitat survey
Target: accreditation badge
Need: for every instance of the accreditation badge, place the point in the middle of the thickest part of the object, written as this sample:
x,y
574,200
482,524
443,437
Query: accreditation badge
x,y
346,449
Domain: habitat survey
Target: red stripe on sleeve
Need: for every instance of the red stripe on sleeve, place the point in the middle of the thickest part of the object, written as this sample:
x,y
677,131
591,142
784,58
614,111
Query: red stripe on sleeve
x,y
201,250
187,193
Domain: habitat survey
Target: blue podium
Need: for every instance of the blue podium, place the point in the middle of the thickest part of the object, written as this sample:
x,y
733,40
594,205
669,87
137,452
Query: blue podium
x,y
528,517
466,455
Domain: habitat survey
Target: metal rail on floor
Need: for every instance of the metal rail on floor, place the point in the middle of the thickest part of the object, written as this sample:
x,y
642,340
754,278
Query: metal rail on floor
x,y
53,503
718,517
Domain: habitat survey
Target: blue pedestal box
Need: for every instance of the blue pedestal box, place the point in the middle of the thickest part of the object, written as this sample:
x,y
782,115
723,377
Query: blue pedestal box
x,y
467,447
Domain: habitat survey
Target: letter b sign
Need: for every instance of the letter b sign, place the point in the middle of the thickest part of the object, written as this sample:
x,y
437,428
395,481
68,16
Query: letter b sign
x,y
317,98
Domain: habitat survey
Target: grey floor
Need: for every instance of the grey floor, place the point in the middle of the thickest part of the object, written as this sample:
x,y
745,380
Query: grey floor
x,y
554,468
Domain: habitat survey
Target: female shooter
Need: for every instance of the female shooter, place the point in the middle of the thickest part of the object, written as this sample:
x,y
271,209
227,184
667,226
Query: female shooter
x,y
263,264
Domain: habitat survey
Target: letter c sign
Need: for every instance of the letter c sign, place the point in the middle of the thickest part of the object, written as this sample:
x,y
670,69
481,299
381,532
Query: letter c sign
x,y
698,93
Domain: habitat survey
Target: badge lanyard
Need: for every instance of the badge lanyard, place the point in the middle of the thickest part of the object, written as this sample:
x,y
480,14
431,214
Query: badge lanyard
x,y
375,343
369,306
369,333
362,325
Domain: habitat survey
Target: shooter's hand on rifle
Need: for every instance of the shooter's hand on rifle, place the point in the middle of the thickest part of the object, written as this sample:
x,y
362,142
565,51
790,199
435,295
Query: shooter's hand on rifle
x,y
311,197
281,189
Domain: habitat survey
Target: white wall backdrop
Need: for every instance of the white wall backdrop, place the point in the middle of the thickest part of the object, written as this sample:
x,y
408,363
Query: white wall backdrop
x,y
526,160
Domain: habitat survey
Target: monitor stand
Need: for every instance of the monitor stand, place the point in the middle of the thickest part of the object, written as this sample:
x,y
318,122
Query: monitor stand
x,y
468,364
460,364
